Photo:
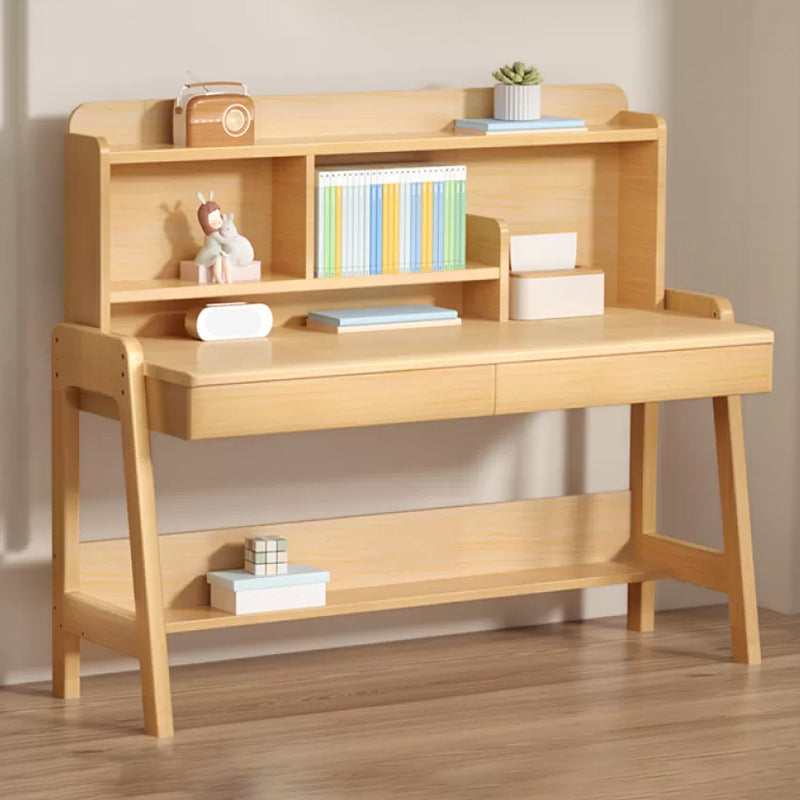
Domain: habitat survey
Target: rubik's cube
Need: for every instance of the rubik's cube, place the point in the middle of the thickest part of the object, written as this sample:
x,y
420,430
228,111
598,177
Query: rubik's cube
x,y
266,555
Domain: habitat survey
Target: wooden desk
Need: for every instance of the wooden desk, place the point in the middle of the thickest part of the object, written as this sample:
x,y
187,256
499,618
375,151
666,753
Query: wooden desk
x,y
121,354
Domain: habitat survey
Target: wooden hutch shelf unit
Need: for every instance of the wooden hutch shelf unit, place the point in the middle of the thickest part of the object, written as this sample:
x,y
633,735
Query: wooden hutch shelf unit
x,y
122,353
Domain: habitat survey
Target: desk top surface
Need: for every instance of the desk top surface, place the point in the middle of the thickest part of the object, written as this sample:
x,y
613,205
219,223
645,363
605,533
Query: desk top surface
x,y
298,353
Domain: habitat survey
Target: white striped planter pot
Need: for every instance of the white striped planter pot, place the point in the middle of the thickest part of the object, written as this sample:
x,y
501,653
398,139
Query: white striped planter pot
x,y
517,102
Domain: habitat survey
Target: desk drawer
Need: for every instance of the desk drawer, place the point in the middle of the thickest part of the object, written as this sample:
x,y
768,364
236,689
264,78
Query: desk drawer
x,y
245,409
633,378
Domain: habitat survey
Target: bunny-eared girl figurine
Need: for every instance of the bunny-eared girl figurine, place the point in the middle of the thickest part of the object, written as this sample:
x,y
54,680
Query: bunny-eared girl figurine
x,y
212,253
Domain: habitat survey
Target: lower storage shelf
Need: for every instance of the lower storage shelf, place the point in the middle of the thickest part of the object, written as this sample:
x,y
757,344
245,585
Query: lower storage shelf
x,y
426,593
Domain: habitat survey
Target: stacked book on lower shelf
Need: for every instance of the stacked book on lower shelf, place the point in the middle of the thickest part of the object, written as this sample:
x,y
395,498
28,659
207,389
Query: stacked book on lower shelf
x,y
267,582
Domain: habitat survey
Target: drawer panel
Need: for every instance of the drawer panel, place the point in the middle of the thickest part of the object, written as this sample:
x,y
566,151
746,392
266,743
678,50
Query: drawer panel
x,y
314,403
633,378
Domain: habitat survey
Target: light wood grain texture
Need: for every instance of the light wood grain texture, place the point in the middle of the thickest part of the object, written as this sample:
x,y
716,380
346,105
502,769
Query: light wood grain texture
x,y
554,190
697,304
153,215
149,122
66,538
461,713
258,407
342,402
280,283
640,268
144,549
363,552
639,378
427,593
386,145
86,232
693,563
293,216
87,358
736,529
643,472
297,353
100,622
487,243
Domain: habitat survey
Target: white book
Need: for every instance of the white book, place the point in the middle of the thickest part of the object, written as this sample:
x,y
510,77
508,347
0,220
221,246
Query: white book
x,y
402,228
358,222
347,226
322,180
279,598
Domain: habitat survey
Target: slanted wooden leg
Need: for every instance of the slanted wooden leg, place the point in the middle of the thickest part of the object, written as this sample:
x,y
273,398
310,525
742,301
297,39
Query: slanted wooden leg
x,y
643,462
66,537
742,606
145,557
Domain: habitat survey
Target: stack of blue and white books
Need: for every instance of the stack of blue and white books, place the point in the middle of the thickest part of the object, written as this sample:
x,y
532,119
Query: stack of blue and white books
x,y
381,318
240,592
488,125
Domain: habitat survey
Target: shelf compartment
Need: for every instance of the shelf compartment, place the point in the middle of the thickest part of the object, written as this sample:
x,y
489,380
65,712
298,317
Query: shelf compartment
x,y
462,545
427,593
153,226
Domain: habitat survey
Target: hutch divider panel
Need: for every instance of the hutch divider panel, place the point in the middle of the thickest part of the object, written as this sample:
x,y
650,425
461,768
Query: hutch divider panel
x,y
129,220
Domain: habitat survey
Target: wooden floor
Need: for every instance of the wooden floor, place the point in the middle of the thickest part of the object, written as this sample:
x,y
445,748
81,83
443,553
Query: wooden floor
x,y
563,711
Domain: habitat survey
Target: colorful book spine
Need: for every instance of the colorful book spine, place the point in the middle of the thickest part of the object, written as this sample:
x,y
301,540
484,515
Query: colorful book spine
x,y
330,229
389,220
377,267
448,219
319,267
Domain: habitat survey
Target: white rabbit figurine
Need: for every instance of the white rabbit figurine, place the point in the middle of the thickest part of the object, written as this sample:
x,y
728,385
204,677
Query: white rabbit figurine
x,y
237,248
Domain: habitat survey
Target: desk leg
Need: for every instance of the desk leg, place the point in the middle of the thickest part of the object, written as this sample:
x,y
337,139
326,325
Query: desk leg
x,y
145,557
66,538
643,464
736,532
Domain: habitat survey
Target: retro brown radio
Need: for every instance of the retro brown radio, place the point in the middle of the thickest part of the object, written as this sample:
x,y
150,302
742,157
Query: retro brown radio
x,y
213,113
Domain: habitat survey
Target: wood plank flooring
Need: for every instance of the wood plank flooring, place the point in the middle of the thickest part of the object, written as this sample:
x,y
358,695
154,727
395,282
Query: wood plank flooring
x,y
576,710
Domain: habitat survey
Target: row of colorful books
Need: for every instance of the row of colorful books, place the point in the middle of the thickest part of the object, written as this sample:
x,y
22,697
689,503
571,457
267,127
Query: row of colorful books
x,y
390,219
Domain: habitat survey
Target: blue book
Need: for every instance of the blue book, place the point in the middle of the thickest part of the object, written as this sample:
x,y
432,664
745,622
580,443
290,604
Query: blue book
x,y
239,580
488,125
417,249
344,317
371,262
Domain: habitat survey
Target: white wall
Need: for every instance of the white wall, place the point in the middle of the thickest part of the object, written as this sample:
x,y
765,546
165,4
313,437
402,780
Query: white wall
x,y
92,50
733,200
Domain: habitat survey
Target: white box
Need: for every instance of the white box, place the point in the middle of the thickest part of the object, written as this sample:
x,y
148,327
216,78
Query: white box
x,y
544,251
557,294
190,271
280,598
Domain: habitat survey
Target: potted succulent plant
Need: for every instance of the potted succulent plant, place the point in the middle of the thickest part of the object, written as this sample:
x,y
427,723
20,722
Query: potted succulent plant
x,y
518,92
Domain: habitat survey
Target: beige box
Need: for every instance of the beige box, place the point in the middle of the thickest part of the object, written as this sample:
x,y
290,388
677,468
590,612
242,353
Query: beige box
x,y
556,294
